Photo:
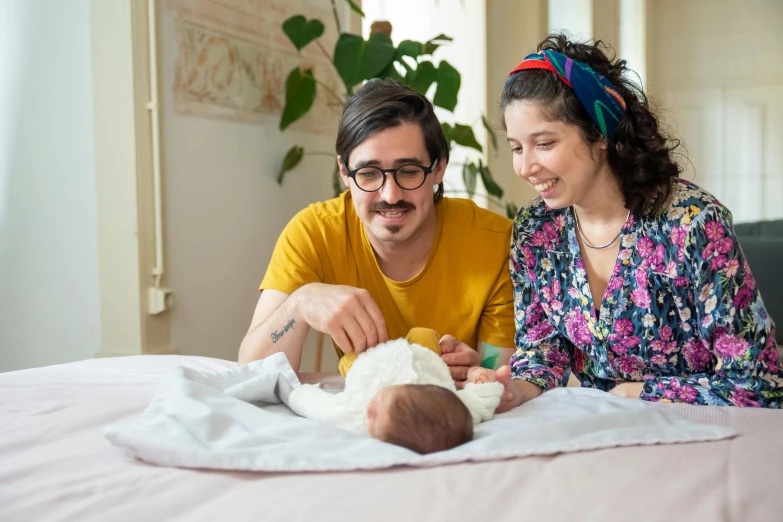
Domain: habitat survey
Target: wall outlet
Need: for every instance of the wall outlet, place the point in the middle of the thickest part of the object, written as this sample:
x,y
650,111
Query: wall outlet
x,y
160,300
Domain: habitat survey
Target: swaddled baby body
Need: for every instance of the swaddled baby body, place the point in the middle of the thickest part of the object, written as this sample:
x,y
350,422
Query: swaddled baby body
x,y
401,392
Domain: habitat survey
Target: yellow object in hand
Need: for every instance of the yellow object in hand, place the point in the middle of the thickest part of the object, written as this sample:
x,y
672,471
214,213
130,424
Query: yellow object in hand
x,y
426,337
346,361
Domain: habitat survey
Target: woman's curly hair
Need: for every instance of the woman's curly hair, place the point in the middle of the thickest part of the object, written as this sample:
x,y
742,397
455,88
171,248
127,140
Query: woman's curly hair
x,y
640,156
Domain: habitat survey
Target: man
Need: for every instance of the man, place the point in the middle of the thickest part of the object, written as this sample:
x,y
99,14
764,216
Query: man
x,y
390,253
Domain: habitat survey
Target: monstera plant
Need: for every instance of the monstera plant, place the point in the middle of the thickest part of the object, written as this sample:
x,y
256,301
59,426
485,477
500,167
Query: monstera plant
x,y
356,60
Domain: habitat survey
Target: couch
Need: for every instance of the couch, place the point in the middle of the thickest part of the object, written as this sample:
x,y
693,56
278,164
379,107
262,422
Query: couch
x,y
762,243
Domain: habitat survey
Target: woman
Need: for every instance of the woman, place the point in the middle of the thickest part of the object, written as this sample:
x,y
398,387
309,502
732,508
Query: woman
x,y
623,273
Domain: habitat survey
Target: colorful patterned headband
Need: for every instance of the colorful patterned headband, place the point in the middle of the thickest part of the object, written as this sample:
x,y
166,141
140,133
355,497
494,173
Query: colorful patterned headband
x,y
596,93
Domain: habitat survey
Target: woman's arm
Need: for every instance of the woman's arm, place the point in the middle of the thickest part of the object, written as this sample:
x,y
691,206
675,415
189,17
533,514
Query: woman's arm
x,y
543,355
733,326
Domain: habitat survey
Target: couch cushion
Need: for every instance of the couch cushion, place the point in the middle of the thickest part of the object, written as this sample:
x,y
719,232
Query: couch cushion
x,y
765,257
746,229
771,228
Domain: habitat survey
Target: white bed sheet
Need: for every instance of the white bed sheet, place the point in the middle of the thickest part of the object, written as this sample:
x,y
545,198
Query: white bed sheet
x,y
56,465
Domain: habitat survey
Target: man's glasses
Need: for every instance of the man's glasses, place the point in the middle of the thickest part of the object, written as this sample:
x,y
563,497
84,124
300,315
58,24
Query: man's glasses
x,y
407,177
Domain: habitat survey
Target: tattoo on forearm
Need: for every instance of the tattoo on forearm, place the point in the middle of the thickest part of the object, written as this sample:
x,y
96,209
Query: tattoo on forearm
x,y
277,334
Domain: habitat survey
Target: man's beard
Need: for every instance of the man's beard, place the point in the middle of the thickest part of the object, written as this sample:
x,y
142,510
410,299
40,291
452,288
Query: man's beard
x,y
381,206
393,228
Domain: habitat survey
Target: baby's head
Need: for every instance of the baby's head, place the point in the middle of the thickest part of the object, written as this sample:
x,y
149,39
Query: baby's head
x,y
421,417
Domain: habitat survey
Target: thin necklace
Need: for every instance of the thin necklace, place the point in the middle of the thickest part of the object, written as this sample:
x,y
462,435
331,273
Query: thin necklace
x,y
590,245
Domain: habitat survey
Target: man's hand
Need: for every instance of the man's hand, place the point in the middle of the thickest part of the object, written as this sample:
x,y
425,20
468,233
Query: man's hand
x,y
460,357
347,314
629,390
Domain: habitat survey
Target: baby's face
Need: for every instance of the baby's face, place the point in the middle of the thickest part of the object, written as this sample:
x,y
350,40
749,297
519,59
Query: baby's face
x,y
378,409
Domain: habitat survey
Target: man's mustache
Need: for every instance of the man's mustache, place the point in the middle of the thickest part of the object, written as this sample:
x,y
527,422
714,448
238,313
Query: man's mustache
x,y
382,206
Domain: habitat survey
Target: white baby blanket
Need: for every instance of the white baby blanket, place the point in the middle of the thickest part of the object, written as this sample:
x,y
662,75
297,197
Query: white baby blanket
x,y
234,420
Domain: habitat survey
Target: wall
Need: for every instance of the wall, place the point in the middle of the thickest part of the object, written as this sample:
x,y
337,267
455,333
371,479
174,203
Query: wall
x,y
513,30
717,70
224,210
572,16
49,299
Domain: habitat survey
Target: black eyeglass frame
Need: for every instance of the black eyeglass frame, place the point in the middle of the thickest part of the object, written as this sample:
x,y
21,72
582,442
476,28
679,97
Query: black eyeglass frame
x,y
427,171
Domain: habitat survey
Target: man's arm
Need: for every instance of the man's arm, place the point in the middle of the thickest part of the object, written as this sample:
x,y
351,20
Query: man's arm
x,y
281,321
277,326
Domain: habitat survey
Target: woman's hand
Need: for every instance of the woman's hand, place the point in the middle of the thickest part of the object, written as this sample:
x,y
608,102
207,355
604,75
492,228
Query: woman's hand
x,y
515,392
629,390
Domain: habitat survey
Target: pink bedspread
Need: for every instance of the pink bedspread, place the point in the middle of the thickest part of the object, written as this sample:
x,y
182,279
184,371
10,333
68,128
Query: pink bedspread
x,y
56,465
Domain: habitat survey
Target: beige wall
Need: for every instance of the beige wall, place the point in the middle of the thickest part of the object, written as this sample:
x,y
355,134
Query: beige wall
x,y
716,70
606,22
123,179
513,30
695,42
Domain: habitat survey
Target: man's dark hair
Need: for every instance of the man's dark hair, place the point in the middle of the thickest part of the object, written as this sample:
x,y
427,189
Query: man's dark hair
x,y
384,104
426,418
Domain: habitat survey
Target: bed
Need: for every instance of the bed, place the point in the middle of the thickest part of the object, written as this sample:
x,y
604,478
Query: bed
x,y
55,464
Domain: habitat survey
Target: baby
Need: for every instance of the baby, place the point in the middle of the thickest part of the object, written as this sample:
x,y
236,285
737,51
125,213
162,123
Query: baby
x,y
402,393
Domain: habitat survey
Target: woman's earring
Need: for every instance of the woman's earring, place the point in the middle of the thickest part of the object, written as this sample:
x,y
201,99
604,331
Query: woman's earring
x,y
435,187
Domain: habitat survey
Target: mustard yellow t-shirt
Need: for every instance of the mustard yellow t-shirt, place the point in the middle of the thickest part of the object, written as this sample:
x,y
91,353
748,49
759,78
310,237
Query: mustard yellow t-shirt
x,y
464,289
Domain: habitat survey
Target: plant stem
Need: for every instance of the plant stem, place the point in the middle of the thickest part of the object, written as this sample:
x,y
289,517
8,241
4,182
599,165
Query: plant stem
x,y
321,47
336,19
330,91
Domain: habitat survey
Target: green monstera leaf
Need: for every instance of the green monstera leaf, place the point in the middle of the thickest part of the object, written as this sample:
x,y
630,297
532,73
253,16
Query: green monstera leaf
x,y
463,135
469,176
299,96
357,59
489,183
355,8
422,77
448,132
493,137
432,44
449,81
301,32
290,161
391,72
408,48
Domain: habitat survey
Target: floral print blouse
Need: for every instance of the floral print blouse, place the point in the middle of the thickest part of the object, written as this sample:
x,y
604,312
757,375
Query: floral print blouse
x,y
681,311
